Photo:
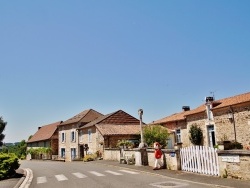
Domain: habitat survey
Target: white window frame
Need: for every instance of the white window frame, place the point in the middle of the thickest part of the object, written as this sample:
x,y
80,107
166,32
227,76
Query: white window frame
x,y
178,135
89,135
73,136
63,137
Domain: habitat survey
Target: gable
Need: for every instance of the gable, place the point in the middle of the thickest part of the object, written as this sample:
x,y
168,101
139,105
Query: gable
x,y
120,118
45,132
84,117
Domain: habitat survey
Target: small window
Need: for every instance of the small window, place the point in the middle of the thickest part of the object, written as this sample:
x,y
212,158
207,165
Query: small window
x,y
178,136
63,137
73,136
89,135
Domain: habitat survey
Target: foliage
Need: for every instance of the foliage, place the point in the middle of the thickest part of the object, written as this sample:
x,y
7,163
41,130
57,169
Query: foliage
x,y
155,133
38,151
126,143
89,157
196,135
18,149
8,165
2,127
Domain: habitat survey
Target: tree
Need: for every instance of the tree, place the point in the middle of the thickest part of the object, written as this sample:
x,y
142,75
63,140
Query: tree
x,y
155,133
2,127
196,135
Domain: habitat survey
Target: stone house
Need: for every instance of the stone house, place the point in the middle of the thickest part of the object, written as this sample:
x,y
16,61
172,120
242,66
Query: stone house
x,y
68,147
214,117
46,136
105,131
177,127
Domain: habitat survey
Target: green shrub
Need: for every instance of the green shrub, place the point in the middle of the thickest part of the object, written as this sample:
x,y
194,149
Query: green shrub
x,y
196,135
155,133
8,165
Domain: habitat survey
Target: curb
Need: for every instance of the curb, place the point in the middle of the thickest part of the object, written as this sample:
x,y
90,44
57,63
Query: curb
x,y
25,182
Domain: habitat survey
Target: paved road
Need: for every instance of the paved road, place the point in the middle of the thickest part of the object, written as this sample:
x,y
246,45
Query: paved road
x,y
92,175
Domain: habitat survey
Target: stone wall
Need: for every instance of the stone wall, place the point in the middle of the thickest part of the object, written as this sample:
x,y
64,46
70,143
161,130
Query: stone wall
x,y
170,156
234,164
241,122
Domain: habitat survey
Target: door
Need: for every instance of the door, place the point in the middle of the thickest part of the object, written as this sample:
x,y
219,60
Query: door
x,y
211,135
81,151
73,153
62,152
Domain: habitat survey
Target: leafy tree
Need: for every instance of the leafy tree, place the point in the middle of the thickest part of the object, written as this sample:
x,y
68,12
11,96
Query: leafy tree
x,y
196,135
155,133
2,127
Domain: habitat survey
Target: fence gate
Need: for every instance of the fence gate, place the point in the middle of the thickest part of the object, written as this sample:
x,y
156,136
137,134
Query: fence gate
x,y
200,159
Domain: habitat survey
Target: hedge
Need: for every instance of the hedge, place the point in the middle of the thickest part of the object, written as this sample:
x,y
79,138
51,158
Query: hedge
x,y
8,165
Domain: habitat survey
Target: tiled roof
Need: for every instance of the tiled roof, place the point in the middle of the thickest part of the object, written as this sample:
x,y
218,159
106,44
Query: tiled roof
x,y
174,117
230,101
238,99
82,117
106,130
116,118
98,120
197,110
45,132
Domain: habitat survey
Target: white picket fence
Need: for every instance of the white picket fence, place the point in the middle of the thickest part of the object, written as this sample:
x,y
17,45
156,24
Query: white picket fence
x,y
200,159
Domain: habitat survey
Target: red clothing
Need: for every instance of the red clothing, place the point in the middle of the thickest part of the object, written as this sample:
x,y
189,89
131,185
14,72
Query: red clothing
x,y
158,153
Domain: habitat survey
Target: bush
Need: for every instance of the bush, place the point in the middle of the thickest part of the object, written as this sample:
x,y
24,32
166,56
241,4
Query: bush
x,y
8,165
155,133
196,135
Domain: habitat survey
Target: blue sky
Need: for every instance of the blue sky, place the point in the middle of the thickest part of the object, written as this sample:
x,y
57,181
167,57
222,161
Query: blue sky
x,y
58,58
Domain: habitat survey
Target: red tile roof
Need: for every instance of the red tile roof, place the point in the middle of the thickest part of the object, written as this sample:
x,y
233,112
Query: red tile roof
x,y
116,118
173,117
44,133
106,130
84,116
230,101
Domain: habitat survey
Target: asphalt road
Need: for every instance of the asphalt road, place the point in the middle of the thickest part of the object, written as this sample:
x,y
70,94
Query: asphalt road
x,y
52,174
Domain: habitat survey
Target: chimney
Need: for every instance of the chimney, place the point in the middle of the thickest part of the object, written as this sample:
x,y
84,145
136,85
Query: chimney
x,y
39,128
185,108
209,99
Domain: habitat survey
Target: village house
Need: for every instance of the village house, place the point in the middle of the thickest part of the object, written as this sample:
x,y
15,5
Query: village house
x,y
68,148
214,117
45,137
105,131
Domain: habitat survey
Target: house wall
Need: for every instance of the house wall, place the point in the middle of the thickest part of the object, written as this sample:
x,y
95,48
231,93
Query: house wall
x,y
68,144
242,124
200,121
91,140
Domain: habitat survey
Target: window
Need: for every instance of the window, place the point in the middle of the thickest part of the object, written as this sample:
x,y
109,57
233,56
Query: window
x,y
178,136
73,153
89,135
62,152
63,137
73,137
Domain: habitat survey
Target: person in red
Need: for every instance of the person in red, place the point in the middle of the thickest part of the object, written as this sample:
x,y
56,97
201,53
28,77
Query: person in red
x,y
158,154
